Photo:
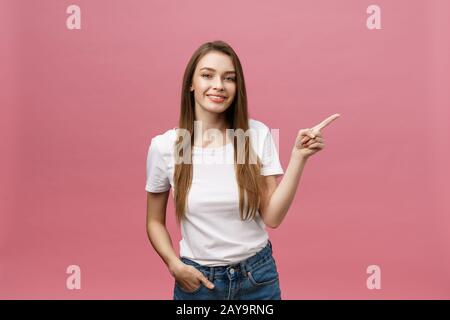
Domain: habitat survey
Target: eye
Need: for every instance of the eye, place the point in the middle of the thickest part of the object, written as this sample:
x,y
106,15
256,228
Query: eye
x,y
231,78
206,75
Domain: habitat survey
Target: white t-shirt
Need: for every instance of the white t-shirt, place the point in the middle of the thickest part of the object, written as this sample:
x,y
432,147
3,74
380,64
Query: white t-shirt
x,y
213,233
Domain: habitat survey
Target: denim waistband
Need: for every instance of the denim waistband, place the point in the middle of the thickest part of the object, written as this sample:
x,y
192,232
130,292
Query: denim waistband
x,y
241,267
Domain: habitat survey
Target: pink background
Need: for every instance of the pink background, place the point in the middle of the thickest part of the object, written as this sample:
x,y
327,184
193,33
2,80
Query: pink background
x,y
79,108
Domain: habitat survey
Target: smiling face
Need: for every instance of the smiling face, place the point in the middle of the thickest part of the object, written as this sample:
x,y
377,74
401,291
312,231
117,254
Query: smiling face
x,y
214,82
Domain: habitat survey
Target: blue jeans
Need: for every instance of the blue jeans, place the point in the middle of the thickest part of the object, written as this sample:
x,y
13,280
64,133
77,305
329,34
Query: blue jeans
x,y
255,278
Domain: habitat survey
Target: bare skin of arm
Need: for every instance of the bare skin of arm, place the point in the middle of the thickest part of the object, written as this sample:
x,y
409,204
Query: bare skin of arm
x,y
277,198
187,276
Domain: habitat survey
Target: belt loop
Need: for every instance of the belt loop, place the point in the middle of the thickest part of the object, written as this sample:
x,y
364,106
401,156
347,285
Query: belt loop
x,y
243,269
211,274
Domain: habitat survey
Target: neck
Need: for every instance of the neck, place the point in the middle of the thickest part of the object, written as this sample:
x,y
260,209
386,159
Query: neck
x,y
209,120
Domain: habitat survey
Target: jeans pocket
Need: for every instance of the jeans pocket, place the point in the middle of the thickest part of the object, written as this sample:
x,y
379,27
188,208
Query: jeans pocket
x,y
264,274
177,285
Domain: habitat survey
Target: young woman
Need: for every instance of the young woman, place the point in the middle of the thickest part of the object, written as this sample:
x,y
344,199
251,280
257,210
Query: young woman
x,y
225,189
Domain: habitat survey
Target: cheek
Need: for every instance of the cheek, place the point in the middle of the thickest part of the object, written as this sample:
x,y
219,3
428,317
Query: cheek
x,y
200,85
232,91
200,89
199,95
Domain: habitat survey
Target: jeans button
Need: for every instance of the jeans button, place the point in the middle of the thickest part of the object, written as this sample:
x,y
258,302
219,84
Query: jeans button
x,y
232,271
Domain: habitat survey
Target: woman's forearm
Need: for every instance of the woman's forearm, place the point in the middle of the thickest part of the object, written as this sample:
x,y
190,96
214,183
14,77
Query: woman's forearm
x,y
282,197
161,241
308,142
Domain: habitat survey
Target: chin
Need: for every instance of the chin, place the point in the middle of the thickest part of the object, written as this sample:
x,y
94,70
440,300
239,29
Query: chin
x,y
216,108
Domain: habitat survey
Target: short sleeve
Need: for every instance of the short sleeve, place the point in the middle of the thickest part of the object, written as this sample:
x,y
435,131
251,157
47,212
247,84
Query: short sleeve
x,y
270,161
157,176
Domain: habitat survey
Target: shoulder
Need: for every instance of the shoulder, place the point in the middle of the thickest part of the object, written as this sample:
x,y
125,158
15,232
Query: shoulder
x,y
259,130
164,141
257,125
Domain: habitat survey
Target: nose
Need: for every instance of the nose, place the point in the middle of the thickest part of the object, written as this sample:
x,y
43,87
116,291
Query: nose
x,y
218,85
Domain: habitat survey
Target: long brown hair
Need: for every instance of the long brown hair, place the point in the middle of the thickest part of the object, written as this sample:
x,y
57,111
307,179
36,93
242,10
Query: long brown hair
x,y
247,172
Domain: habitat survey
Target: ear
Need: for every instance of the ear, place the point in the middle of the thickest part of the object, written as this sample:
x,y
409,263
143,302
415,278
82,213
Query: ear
x,y
192,89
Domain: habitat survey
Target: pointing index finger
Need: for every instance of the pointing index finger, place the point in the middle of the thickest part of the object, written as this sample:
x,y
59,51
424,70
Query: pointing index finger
x,y
326,122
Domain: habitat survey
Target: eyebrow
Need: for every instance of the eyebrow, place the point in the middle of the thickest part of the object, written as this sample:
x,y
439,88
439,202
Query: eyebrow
x,y
211,69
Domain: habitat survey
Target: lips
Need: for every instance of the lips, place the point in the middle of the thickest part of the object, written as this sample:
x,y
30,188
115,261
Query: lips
x,y
216,95
216,98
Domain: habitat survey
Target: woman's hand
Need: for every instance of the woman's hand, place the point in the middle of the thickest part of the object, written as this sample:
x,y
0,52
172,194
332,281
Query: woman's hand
x,y
310,141
189,278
